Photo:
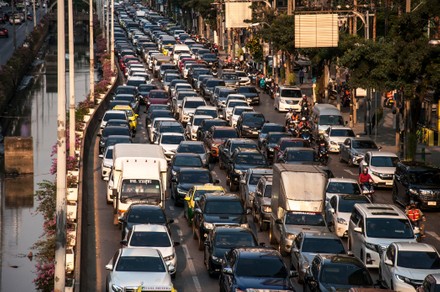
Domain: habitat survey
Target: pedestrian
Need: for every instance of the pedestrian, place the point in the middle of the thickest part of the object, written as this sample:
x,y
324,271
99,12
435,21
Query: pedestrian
x,y
301,76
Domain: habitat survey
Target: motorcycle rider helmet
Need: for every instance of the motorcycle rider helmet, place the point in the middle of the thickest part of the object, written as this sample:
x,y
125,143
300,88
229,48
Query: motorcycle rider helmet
x,y
321,137
303,119
412,203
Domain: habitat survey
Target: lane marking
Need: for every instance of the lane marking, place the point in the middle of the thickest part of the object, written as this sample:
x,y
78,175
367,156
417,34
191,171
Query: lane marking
x,y
192,269
350,172
433,234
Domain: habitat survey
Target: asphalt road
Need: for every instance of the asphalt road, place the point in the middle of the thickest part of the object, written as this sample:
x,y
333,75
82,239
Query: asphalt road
x,y
191,273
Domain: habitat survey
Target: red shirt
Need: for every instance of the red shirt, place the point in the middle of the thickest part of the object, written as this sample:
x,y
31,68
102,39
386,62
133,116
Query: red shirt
x,y
364,178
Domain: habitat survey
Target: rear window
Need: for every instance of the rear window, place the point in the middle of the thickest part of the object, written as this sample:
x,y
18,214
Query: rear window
x,y
290,93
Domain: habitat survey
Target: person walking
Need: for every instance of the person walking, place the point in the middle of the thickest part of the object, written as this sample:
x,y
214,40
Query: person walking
x,y
301,76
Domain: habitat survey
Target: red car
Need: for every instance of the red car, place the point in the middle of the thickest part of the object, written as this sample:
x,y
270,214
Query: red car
x,y
4,32
157,96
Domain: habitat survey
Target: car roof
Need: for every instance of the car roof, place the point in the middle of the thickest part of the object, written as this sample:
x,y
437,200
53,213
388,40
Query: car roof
x,y
145,207
414,246
192,142
340,259
342,180
303,149
209,187
202,117
193,169
140,252
318,234
380,211
377,153
222,196
261,170
149,228
256,251
231,229
122,107
242,141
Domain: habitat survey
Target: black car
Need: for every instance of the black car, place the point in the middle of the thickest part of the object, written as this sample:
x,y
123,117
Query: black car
x,y
195,147
241,160
187,178
143,214
112,130
158,113
216,209
255,268
210,58
417,181
268,145
222,239
184,160
249,124
207,87
134,103
227,149
206,125
266,129
298,155
336,272
251,93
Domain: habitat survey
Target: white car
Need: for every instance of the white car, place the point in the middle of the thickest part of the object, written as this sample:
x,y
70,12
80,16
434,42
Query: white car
x,y
154,236
338,211
207,110
227,111
404,265
336,135
152,128
193,125
243,78
138,269
170,142
236,112
342,186
381,166
107,162
189,105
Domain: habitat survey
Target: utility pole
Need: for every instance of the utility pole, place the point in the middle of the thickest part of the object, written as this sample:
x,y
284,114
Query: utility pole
x,y
71,82
92,53
61,216
355,3
408,6
112,37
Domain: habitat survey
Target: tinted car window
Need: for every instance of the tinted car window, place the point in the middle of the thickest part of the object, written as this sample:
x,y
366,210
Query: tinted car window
x,y
389,228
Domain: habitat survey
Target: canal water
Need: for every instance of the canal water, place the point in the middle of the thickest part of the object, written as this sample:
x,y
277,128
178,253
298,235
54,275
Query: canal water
x,y
33,114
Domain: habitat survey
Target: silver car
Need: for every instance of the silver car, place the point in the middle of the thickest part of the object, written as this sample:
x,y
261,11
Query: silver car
x,y
353,149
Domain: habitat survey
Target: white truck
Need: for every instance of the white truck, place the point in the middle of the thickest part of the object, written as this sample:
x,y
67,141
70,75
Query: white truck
x,y
139,174
297,203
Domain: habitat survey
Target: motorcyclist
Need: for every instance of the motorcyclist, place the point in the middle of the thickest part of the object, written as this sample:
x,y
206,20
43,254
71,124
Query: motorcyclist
x,y
304,101
365,177
416,217
303,124
292,115
321,142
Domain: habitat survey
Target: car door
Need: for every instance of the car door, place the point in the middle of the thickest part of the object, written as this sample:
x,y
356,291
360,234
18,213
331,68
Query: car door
x,y
386,270
332,211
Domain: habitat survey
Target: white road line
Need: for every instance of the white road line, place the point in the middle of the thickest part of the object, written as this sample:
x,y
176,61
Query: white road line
x,y
180,233
350,172
191,268
433,234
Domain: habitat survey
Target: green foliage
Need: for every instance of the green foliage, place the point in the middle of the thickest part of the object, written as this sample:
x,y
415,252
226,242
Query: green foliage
x,y
255,49
281,33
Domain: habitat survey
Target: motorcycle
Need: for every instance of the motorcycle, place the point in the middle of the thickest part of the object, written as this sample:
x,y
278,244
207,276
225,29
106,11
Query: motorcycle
x,y
268,84
292,127
346,98
323,155
368,191
306,134
305,111
214,71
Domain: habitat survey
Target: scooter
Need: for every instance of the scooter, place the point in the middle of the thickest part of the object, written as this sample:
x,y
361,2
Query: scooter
x,y
306,134
292,127
368,191
323,155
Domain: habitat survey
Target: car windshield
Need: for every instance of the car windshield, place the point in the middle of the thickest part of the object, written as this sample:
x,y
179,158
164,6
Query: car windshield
x,y
187,161
345,274
262,266
140,264
238,110
223,207
290,93
109,153
150,239
223,134
346,205
126,90
196,177
247,89
214,83
273,128
233,104
250,158
141,216
194,103
350,188
255,177
418,260
172,139
323,245
243,146
298,155
170,77
389,228
115,131
427,178
199,193
364,145
111,116
254,119
140,190
191,148
384,161
197,121
230,77
209,56
302,218
128,98
158,94
233,240
331,120
342,133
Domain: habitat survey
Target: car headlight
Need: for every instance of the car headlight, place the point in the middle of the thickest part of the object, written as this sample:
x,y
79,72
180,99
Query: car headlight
x,y
181,191
375,173
208,225
193,130
117,288
267,209
283,101
403,278
170,257
341,221
270,149
333,143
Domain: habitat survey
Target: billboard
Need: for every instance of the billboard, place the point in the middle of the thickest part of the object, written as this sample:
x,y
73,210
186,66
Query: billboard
x,y
236,13
316,30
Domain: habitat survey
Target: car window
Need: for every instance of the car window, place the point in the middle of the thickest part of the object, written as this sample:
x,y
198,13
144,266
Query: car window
x,y
389,228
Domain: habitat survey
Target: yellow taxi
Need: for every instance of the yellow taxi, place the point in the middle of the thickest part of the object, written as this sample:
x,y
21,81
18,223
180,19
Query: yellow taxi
x,y
132,117
194,193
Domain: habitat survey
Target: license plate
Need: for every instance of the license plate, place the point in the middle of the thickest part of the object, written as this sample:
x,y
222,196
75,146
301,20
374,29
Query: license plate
x,y
389,183
255,132
432,203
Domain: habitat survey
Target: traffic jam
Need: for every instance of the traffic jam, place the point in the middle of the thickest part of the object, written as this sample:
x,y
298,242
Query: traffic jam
x,y
186,130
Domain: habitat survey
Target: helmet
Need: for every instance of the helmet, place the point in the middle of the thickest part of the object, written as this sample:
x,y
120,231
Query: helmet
x,y
412,203
304,96
321,136
303,118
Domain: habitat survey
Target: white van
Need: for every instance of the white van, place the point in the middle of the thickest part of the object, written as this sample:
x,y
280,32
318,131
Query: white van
x,y
325,116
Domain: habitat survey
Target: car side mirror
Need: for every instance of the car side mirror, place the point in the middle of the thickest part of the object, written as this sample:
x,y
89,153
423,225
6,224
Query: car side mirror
x,y
295,250
101,155
174,179
364,163
187,198
109,267
243,181
293,274
227,271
